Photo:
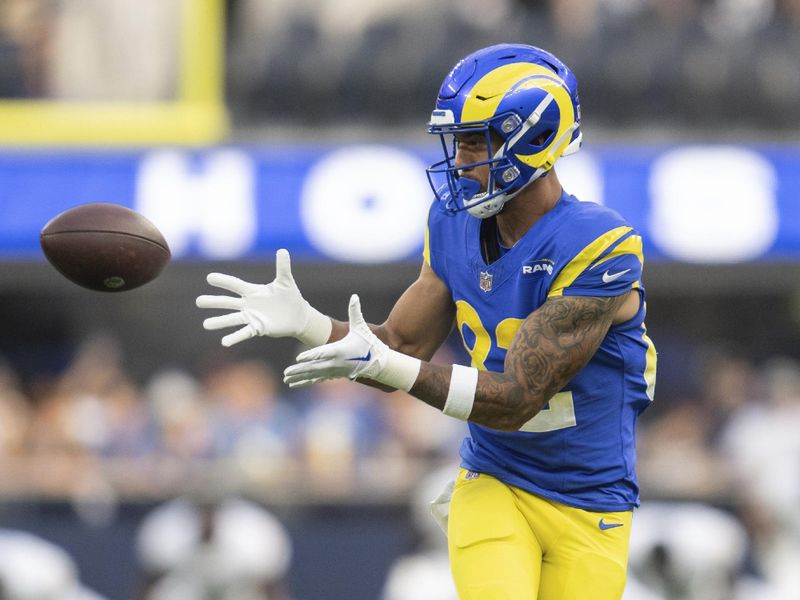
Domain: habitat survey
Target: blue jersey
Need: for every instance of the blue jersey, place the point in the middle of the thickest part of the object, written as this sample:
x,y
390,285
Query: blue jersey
x,y
580,449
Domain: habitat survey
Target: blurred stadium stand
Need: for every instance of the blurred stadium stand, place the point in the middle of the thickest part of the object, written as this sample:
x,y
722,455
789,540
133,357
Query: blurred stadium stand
x,y
720,66
113,405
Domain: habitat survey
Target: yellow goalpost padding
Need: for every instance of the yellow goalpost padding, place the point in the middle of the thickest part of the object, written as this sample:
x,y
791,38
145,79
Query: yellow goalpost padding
x,y
197,115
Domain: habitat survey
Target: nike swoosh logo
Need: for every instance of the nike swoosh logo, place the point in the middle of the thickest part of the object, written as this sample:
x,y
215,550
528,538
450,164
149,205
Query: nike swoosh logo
x,y
603,525
362,358
609,278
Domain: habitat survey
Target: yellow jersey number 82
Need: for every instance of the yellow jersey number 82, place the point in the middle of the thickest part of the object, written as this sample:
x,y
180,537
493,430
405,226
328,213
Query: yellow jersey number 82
x,y
560,411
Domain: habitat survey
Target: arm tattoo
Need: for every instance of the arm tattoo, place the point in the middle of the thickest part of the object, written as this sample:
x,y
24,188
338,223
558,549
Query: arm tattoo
x,y
552,345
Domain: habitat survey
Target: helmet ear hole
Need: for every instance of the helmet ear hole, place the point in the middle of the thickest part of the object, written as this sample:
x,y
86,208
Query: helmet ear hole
x,y
543,138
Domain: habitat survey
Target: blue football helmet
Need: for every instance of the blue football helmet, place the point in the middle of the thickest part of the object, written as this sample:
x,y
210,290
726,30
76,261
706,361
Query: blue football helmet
x,y
524,94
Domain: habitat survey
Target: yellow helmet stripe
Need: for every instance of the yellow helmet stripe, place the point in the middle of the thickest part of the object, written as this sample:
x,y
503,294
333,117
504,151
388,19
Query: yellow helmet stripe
x,y
547,156
486,95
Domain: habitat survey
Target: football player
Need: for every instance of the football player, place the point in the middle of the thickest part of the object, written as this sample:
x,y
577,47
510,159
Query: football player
x,y
547,295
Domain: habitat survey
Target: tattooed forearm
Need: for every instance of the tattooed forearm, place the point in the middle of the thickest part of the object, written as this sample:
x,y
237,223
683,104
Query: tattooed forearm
x,y
499,399
551,346
556,342
432,384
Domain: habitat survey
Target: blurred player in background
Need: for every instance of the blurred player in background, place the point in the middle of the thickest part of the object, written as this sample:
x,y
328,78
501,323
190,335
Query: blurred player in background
x,y
32,568
425,573
546,293
203,547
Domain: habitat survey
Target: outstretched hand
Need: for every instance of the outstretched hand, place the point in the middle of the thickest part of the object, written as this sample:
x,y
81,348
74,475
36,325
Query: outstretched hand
x,y
276,309
359,354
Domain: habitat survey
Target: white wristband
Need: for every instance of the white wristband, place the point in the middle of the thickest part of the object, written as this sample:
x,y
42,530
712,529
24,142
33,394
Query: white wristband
x,y
461,395
400,371
317,330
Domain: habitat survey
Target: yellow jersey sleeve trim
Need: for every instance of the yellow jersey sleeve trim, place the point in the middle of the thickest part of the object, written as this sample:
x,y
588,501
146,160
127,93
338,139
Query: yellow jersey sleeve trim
x,y
426,249
651,362
630,245
584,258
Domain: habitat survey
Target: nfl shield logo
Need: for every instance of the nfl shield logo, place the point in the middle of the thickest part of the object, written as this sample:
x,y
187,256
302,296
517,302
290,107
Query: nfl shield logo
x,y
486,281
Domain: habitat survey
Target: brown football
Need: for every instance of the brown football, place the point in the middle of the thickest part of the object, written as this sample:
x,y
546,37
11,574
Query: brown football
x,y
105,247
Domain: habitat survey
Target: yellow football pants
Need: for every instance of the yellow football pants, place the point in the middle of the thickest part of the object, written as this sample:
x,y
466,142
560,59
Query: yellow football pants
x,y
508,544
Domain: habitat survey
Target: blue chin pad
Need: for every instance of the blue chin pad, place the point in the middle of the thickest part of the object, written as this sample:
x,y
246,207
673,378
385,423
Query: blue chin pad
x,y
468,187
464,190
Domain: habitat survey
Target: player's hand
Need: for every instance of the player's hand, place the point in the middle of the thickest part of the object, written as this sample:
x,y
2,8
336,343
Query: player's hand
x,y
359,354
276,309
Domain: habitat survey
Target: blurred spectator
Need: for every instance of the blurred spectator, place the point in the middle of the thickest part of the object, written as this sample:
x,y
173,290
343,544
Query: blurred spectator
x,y
763,429
23,45
761,442
90,410
649,64
344,428
776,70
114,50
576,19
250,423
421,430
179,407
205,547
91,431
92,436
737,19
15,414
34,569
729,382
92,50
679,451
676,457
127,426
93,406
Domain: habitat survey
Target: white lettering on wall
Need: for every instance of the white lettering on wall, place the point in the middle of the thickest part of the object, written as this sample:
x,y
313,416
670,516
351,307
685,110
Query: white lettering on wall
x,y
209,201
366,204
713,204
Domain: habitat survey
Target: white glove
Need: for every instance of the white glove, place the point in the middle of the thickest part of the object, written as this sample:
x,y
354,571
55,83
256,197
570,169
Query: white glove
x,y
359,354
276,309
